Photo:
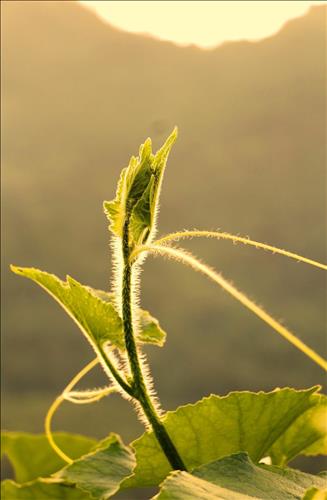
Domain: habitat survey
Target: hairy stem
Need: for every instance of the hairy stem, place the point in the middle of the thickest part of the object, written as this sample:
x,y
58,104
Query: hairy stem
x,y
140,392
105,361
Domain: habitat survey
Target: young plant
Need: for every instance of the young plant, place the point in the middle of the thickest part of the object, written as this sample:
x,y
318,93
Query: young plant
x,y
209,444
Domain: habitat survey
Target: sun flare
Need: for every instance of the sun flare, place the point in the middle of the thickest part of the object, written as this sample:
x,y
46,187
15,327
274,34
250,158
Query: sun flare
x,y
205,24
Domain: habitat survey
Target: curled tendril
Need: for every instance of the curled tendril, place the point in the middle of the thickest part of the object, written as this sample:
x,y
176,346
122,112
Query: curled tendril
x,y
77,397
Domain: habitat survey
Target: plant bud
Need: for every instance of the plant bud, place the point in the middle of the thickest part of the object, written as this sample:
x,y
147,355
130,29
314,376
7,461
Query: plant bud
x,y
137,197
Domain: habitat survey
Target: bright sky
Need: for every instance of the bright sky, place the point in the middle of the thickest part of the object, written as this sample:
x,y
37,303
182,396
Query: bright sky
x,y
203,23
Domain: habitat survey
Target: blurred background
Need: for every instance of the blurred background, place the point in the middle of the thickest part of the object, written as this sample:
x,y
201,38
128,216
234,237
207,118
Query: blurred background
x,y
78,98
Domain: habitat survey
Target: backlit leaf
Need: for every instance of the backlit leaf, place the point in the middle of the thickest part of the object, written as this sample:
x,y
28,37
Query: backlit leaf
x,y
218,426
97,472
40,490
235,478
92,310
100,472
137,195
32,456
306,436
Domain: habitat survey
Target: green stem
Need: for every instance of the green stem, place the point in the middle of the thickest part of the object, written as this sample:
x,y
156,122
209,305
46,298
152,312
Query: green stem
x,y
140,392
127,388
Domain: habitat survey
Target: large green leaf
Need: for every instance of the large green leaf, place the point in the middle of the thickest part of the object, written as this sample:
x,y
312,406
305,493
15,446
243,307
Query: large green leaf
x,y
40,490
235,478
100,472
137,195
31,455
219,426
92,310
307,435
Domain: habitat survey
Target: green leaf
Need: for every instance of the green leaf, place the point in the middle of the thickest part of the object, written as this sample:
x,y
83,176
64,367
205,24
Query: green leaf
x,y
235,478
315,494
100,472
150,329
31,455
302,479
138,191
92,310
306,436
40,490
219,426
96,473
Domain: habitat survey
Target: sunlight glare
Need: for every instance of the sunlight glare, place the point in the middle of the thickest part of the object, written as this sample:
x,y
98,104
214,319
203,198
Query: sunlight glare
x,y
203,23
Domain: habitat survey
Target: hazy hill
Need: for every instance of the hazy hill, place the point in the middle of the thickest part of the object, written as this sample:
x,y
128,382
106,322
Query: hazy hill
x,y
78,98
